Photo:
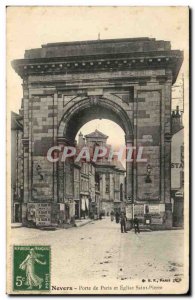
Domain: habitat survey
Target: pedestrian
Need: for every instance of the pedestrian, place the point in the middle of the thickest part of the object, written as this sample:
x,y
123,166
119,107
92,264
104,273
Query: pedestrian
x,y
117,217
123,222
136,225
112,216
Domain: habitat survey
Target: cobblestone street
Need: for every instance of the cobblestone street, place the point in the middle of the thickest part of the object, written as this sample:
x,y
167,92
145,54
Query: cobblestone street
x,y
98,250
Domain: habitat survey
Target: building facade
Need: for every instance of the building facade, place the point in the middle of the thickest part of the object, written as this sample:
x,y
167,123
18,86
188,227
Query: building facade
x,y
16,168
111,175
177,168
101,183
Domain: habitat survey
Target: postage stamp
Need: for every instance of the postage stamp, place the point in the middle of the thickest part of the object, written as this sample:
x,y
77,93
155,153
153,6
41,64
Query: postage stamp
x,y
31,268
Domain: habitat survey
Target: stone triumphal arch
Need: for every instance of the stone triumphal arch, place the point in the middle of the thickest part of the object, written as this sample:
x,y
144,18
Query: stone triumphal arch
x,y
66,85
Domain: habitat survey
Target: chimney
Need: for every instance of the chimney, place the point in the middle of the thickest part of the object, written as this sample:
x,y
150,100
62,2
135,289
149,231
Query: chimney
x,y
176,120
81,140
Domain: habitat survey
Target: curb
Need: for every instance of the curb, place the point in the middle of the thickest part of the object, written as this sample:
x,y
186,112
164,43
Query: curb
x,y
16,225
83,224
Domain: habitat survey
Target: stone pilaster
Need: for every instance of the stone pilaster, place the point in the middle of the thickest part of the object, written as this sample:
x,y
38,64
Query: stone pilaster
x,y
129,174
26,170
61,173
167,167
55,164
167,180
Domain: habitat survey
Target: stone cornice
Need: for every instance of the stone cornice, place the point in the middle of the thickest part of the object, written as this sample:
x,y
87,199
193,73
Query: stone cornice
x,y
64,141
98,63
168,137
25,142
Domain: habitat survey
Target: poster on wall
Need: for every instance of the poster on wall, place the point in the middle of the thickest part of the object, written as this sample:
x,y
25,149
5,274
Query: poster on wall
x,y
139,210
43,214
129,212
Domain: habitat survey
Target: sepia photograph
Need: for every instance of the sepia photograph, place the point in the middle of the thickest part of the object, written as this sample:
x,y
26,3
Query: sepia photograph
x,y
97,150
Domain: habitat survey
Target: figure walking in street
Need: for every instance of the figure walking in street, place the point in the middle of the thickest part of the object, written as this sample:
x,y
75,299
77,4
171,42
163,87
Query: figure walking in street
x,y
123,222
136,225
112,216
117,217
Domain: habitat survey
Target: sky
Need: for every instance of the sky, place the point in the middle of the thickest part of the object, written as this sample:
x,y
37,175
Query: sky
x,y
30,27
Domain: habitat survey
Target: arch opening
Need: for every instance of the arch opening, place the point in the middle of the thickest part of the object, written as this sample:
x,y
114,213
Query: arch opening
x,y
115,136
90,109
109,175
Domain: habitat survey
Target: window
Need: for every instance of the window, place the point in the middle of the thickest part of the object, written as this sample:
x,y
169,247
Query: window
x,y
76,174
181,178
107,182
117,181
121,192
182,154
82,185
77,192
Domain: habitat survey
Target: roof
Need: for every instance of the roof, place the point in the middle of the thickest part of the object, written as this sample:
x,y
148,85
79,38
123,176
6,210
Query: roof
x,y
96,134
119,165
94,47
88,42
100,55
178,130
114,164
16,121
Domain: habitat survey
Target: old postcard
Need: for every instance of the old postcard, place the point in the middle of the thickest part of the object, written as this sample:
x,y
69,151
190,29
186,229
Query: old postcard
x,y
97,150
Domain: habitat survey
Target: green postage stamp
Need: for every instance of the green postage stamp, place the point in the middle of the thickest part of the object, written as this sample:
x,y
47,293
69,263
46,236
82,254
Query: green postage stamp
x,y
31,268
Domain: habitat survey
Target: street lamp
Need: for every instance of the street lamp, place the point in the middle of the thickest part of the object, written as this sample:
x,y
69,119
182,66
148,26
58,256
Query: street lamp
x,y
148,178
